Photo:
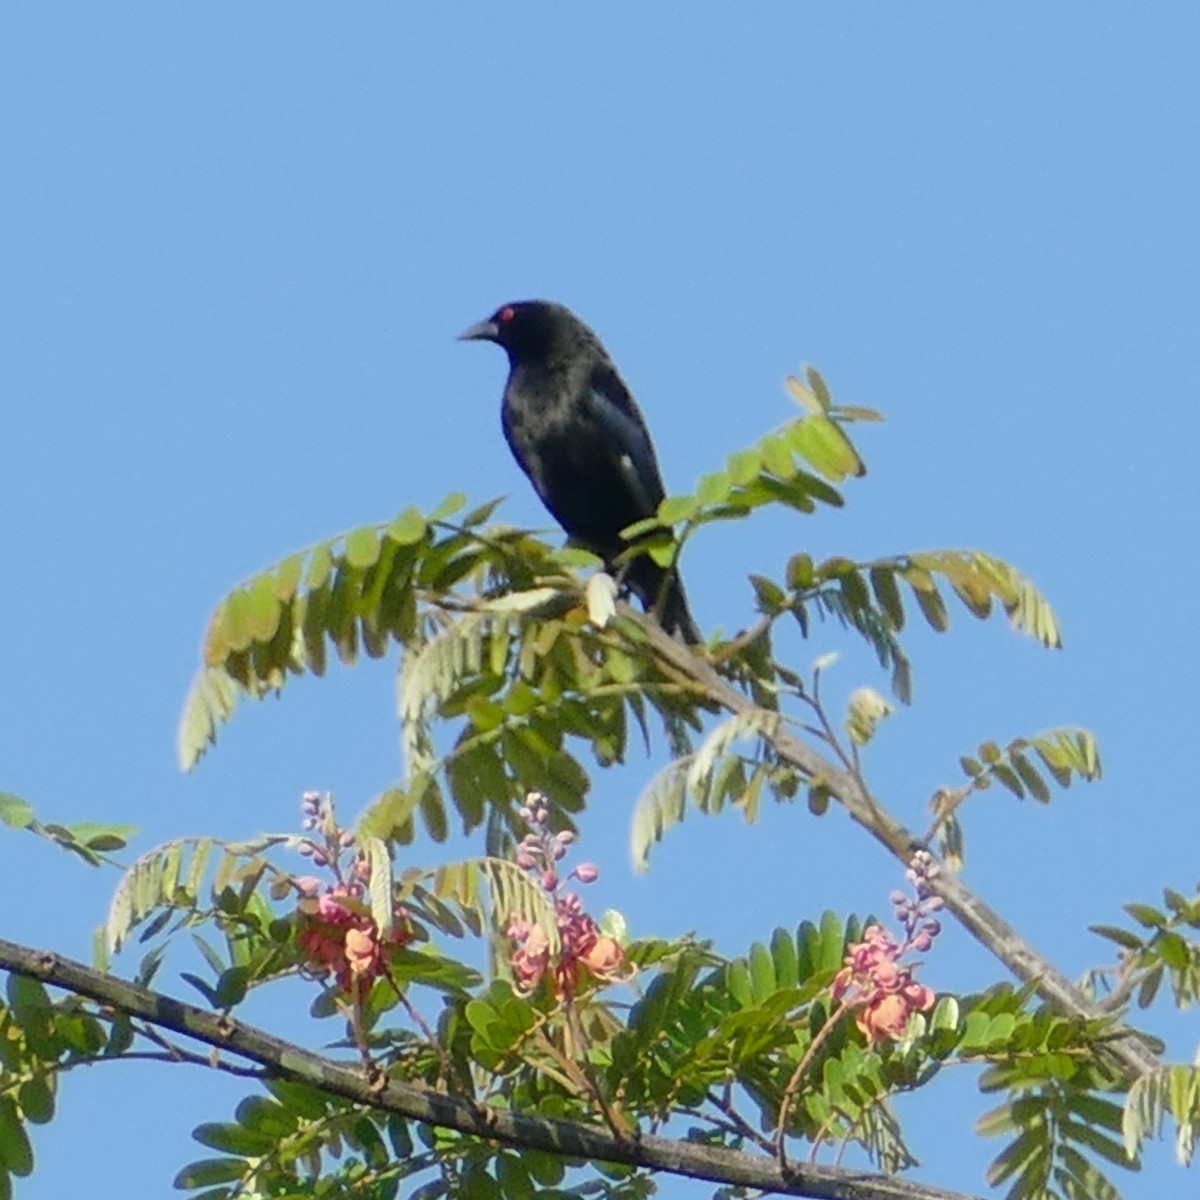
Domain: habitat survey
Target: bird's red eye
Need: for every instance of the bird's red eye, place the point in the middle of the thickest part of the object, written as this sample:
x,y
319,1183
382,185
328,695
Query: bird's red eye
x,y
505,314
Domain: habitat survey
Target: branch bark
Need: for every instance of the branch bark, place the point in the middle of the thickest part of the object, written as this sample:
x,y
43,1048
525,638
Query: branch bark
x,y
565,1138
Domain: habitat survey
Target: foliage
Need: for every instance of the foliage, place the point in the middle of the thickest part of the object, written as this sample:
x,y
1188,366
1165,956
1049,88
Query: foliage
x,y
498,641
92,842
487,979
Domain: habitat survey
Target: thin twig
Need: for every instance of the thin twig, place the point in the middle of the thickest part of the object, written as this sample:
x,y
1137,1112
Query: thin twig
x,y
614,1118
789,1092
738,1124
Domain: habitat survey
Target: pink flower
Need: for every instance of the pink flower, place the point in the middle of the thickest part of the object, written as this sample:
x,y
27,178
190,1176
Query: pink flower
x,y
579,940
885,993
884,1019
362,952
331,909
531,958
344,941
885,1016
604,958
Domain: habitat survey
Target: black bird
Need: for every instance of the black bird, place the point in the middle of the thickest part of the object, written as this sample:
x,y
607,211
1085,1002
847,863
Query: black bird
x,y
577,433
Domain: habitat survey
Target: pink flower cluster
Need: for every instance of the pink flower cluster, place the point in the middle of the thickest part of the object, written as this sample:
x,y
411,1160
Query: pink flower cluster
x,y
337,934
581,942
872,980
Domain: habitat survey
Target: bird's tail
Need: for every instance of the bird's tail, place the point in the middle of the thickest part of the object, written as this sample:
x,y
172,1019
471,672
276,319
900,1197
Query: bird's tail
x,y
661,592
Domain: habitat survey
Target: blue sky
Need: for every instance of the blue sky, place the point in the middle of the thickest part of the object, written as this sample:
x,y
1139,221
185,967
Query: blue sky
x,y
236,243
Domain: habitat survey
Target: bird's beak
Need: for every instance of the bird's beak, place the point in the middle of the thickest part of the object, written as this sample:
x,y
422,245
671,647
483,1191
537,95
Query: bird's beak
x,y
485,331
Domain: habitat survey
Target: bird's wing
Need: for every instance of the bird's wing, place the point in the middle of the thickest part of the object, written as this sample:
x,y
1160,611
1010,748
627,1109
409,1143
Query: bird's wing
x,y
618,415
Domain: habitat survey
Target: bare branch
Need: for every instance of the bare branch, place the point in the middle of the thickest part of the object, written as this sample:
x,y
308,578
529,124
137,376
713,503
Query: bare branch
x,y
566,1138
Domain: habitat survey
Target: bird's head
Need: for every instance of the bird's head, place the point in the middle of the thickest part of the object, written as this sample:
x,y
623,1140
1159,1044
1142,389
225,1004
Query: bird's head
x,y
527,329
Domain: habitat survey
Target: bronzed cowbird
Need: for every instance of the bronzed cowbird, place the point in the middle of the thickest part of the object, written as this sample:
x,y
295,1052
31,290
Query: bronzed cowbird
x,y
577,433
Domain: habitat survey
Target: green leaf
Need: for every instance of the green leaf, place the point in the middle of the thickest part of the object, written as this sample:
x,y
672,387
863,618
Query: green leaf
x,y
744,466
787,967
1147,916
36,1099
1033,782
833,941
210,1171
887,594
674,509
15,812
762,972
855,412
515,1182
825,447
16,1154
1028,1156
929,600
806,396
362,547
408,528
800,574
381,882
714,488
30,1002
1122,937
1148,989
234,1139
453,503
399,1136
231,987
299,1098
777,456
265,1116
661,806
770,596
477,516
102,838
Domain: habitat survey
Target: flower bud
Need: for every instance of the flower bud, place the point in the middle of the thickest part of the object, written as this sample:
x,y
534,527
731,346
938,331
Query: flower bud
x,y
864,712
586,872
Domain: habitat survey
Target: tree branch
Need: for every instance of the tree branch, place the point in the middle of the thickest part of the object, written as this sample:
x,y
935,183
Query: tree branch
x,y
565,1138
981,921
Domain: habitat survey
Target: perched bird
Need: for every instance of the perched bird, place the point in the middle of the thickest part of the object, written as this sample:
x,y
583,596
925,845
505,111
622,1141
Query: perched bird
x,y
577,433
